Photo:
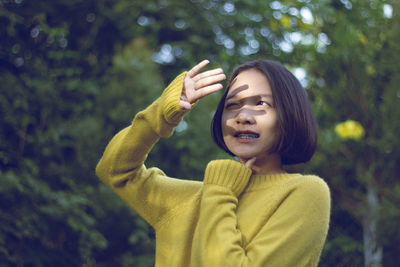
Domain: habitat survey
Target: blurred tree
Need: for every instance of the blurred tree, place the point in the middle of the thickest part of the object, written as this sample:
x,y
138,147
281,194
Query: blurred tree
x,y
356,78
56,62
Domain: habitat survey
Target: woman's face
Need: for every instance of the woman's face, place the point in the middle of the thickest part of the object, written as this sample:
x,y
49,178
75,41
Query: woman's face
x,y
249,119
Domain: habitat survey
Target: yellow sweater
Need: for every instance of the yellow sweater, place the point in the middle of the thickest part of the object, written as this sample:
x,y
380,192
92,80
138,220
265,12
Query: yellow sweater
x,y
232,218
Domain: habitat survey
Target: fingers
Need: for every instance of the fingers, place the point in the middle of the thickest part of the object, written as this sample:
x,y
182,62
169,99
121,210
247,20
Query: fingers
x,y
206,91
249,164
207,74
208,85
209,80
207,77
196,69
199,84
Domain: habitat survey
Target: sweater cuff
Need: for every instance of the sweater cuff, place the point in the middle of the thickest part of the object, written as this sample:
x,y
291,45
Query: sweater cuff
x,y
173,113
228,173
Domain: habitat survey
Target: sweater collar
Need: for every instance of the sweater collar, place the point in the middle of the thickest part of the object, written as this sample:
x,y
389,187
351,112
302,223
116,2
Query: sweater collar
x,y
263,180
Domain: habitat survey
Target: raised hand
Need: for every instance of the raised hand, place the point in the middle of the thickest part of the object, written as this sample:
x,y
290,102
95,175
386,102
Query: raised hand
x,y
199,84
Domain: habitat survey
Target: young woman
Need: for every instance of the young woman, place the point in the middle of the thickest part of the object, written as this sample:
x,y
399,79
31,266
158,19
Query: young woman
x,y
245,213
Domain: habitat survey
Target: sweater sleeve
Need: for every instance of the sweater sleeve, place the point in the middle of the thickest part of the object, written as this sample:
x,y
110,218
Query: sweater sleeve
x,y
291,237
122,164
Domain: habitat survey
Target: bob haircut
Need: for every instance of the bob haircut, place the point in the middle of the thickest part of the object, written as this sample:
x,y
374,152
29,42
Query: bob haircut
x,y
297,128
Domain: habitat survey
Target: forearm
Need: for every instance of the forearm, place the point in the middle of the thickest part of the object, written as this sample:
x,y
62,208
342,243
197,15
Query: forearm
x,y
128,150
217,240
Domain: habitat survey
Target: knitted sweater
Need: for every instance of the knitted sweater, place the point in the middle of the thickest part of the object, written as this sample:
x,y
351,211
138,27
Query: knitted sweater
x,y
232,218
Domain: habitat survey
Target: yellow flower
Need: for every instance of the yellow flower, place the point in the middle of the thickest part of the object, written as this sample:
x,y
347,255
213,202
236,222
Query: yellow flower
x,y
350,130
285,21
371,70
362,38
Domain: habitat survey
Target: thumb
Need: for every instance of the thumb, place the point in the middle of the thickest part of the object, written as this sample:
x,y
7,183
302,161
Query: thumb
x,y
249,163
185,105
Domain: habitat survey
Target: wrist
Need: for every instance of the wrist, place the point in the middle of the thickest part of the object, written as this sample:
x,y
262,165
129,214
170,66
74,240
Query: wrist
x,y
171,96
227,173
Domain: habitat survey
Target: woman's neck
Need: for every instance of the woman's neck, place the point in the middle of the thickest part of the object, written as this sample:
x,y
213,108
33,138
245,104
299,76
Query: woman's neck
x,y
270,164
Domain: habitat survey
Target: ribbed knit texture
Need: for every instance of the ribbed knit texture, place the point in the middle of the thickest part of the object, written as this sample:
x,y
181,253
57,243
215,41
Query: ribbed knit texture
x,y
170,100
231,219
260,180
165,113
227,173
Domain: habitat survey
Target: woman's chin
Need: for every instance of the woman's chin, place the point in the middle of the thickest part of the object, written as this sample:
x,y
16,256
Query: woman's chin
x,y
261,156
245,156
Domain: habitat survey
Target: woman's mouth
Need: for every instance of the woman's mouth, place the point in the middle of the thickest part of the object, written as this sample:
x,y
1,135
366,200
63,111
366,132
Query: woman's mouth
x,y
246,135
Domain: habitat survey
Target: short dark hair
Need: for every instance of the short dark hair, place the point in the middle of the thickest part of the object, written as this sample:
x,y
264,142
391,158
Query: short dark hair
x,y
297,127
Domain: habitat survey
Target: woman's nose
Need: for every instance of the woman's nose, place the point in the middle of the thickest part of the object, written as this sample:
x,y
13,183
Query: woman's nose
x,y
245,117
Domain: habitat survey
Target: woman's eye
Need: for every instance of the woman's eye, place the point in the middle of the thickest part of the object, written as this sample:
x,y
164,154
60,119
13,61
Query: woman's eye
x,y
263,103
231,105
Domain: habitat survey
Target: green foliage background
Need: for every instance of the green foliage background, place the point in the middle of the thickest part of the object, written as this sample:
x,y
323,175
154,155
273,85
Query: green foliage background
x,y
72,73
